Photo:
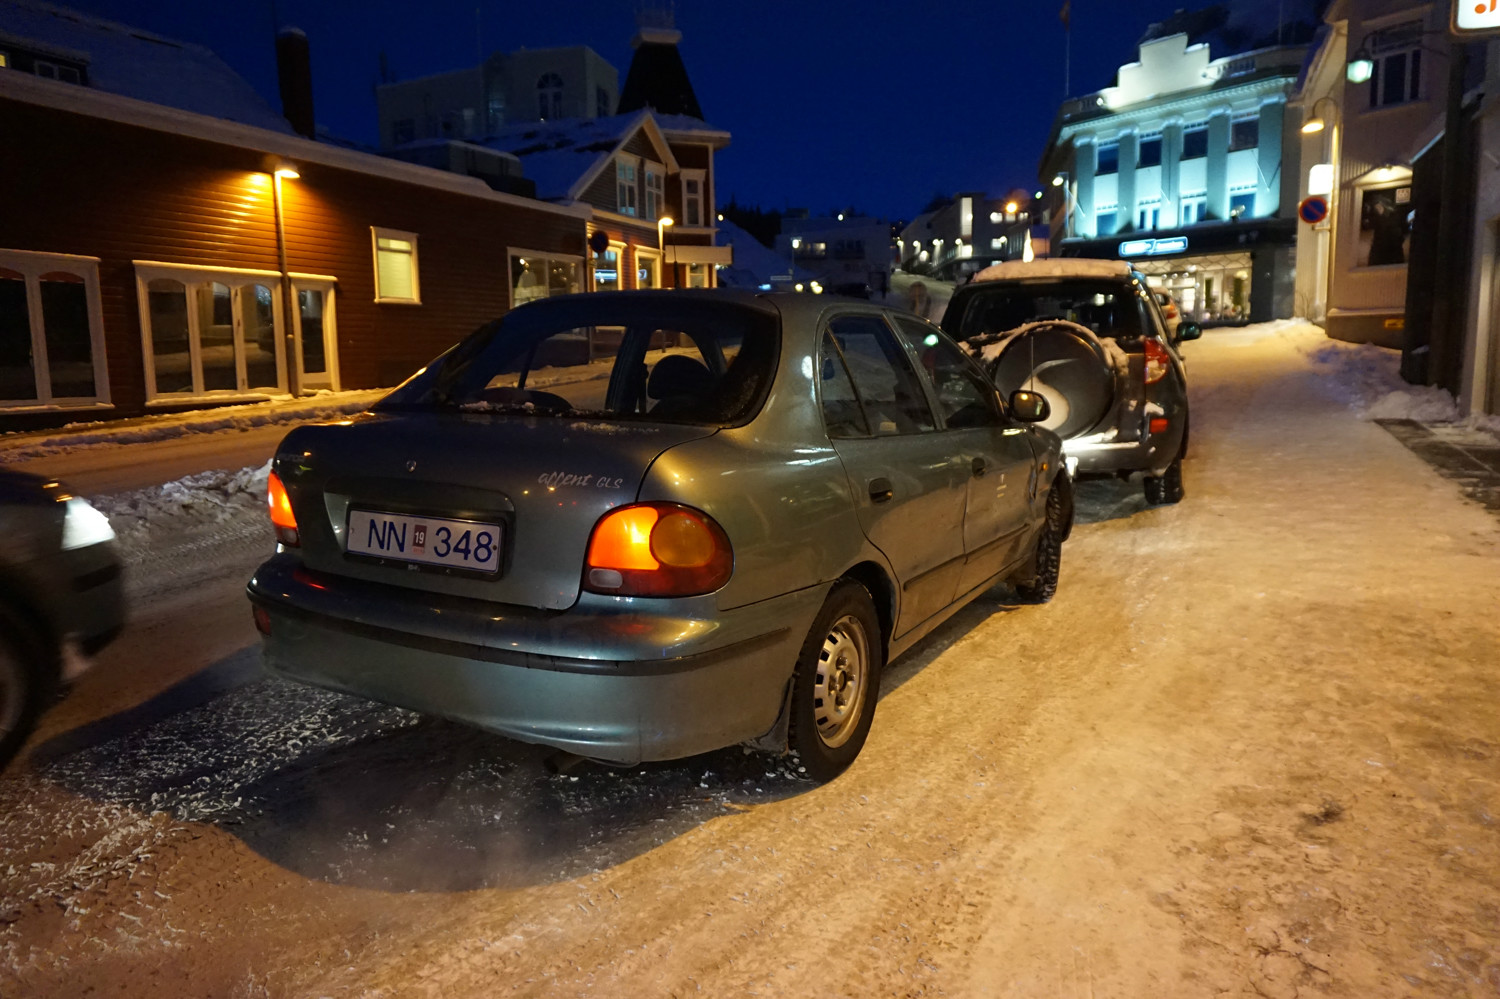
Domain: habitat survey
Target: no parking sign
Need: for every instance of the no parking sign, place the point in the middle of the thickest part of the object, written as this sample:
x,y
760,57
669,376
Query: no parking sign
x,y
1313,210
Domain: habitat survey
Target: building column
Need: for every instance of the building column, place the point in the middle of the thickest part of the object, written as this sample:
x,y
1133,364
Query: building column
x,y
1084,221
1218,166
1171,175
1268,187
1125,214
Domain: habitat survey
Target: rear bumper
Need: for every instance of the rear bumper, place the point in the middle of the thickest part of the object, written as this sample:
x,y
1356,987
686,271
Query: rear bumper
x,y
1151,455
618,679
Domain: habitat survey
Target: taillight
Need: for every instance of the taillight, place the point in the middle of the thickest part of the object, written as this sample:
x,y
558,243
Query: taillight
x,y
282,517
657,550
1157,361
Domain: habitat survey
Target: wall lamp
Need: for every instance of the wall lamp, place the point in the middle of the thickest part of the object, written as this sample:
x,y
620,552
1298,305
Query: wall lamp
x,y
1361,66
1316,123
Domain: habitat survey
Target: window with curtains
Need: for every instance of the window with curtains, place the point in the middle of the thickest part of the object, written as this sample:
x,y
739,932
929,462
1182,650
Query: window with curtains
x,y
396,266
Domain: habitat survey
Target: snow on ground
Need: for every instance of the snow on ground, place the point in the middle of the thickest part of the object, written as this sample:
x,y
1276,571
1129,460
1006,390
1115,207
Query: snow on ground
x,y
149,519
16,447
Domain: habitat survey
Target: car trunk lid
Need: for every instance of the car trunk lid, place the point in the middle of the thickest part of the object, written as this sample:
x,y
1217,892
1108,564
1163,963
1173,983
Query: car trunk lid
x,y
541,483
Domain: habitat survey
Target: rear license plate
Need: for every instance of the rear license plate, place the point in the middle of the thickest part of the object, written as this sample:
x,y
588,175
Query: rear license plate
x,y
456,544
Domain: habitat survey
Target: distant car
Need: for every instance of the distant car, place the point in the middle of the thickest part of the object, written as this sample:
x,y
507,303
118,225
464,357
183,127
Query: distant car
x,y
644,525
1169,312
1090,336
61,596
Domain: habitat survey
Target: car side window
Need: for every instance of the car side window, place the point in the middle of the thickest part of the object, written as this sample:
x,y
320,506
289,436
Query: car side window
x,y
842,414
892,399
965,397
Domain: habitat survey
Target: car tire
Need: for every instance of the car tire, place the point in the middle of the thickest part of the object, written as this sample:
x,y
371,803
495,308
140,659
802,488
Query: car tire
x,y
1166,488
26,682
1047,560
844,649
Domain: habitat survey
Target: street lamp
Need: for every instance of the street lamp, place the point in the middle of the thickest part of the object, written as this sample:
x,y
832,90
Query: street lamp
x,y
282,170
1361,65
662,225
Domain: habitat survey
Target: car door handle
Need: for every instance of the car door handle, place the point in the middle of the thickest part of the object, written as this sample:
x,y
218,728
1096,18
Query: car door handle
x,y
880,490
979,467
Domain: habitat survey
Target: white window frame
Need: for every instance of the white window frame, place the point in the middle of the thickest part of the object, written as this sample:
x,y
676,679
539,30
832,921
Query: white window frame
x,y
33,265
1148,216
585,268
624,163
377,233
654,190
650,258
701,176
190,275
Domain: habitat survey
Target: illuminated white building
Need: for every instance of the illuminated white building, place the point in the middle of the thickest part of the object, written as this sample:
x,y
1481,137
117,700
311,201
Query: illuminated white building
x,y
1179,168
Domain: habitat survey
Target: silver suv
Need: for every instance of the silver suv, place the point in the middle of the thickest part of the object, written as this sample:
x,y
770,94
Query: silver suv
x,y
1090,336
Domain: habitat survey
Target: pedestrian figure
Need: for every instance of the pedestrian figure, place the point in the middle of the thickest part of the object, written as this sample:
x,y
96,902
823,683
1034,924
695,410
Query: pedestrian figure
x,y
919,298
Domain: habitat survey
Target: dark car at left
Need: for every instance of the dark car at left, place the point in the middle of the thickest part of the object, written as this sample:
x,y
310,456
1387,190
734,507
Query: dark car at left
x,y
644,525
61,596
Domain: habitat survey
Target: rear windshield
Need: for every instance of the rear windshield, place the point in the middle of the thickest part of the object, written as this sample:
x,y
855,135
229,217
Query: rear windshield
x,y
1109,308
650,359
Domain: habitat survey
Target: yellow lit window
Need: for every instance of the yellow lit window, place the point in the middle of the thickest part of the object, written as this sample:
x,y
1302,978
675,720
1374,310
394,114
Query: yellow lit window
x,y
396,266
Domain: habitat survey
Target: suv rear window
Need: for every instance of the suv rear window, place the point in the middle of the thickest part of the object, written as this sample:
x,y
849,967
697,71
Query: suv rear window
x,y
1109,308
690,361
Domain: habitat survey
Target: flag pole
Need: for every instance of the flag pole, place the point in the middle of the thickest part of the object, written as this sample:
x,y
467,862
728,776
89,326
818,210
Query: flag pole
x,y
1066,16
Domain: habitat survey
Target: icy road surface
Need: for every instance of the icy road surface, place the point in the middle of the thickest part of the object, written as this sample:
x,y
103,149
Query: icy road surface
x,y
1251,749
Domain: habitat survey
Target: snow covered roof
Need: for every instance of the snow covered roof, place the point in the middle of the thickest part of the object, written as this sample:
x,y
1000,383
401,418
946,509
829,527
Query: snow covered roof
x,y
133,63
563,156
1016,270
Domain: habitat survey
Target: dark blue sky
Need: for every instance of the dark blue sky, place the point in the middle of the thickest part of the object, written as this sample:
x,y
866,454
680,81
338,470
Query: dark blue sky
x,y
831,103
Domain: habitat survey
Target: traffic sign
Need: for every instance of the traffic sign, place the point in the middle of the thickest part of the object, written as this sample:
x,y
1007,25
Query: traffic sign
x,y
1475,18
1313,210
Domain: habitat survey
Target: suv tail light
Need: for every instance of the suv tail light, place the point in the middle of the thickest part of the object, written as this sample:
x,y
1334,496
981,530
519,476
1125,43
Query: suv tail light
x,y
1157,361
282,517
657,550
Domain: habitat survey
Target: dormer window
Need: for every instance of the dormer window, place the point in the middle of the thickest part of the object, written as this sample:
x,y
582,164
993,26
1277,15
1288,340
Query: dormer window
x,y
654,190
549,90
625,186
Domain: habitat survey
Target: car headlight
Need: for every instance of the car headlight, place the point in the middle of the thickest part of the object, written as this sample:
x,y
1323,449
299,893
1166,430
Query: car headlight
x,y
84,526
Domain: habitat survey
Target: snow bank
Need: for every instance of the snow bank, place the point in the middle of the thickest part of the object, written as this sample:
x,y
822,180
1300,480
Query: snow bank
x,y
1367,378
148,519
76,436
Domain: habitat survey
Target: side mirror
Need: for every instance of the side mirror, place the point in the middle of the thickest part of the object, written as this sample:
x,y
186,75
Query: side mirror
x,y
1188,331
1029,407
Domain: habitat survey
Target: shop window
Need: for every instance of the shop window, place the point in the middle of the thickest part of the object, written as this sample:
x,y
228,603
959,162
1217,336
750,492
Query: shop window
x,y
607,270
1194,143
697,276
1109,160
51,333
1244,134
210,333
1149,152
543,275
647,270
396,266
1385,217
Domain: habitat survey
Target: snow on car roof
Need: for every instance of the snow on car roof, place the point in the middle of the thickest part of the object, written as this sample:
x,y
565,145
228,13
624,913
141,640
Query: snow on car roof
x,y
1012,270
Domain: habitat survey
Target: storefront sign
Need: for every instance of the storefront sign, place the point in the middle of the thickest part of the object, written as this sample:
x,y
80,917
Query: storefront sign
x,y
1475,18
1153,247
